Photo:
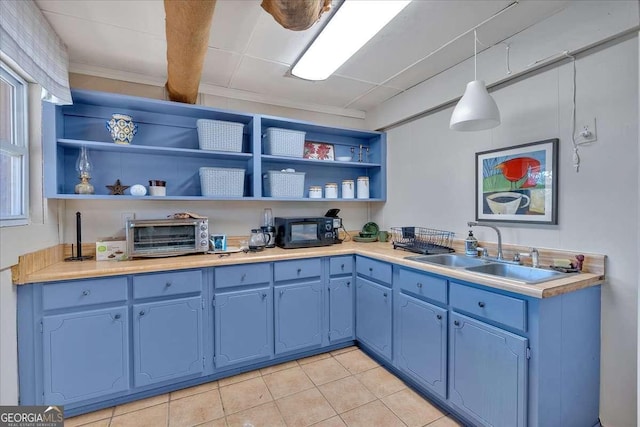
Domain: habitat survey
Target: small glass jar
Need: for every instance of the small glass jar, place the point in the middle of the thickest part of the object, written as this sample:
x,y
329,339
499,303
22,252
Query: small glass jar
x,y
331,190
348,189
315,192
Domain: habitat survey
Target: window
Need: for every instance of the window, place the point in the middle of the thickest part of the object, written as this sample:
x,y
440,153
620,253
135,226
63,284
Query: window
x,y
14,159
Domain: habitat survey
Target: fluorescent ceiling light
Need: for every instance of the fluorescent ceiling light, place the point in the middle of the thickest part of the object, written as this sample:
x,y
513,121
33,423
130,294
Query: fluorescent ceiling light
x,y
352,25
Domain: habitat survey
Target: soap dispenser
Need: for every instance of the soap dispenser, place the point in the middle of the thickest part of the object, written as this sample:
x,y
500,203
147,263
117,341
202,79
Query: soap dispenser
x,y
471,245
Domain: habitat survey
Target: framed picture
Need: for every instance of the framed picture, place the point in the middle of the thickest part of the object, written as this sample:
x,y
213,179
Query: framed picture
x,y
318,151
218,242
518,184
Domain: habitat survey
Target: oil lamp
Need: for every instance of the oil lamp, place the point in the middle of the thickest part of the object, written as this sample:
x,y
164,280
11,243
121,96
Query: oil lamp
x,y
83,166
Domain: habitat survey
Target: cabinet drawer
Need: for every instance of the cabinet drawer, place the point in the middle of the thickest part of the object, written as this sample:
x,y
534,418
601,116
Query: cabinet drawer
x,y
377,270
165,284
341,265
84,292
509,311
298,269
242,275
423,285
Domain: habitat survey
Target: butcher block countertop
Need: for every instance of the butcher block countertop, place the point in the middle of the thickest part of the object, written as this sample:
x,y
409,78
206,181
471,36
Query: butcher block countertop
x,y
61,270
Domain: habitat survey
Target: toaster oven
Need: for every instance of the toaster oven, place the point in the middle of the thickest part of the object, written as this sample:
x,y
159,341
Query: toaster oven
x,y
166,237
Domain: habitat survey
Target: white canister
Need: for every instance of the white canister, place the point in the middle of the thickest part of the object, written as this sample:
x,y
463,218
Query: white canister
x,y
331,190
348,187
315,192
363,187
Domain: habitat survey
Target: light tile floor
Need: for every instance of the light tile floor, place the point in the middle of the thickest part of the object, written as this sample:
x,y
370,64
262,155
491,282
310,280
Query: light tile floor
x,y
341,388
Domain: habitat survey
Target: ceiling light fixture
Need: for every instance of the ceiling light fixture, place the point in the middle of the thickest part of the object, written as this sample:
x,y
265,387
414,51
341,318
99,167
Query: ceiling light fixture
x,y
351,26
476,110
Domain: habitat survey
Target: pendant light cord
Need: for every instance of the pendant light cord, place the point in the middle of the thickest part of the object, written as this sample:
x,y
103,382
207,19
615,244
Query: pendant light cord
x,y
475,55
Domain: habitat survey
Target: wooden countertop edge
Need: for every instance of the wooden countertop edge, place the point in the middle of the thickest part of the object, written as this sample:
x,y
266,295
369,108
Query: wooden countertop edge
x,y
61,270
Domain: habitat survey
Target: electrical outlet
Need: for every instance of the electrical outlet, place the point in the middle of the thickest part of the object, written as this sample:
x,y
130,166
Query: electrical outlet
x,y
586,132
127,216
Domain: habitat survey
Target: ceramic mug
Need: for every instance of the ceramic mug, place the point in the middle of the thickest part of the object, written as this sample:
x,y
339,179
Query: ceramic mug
x,y
507,203
383,236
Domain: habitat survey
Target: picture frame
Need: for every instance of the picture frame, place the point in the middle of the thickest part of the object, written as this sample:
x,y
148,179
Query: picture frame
x,y
318,151
218,242
518,184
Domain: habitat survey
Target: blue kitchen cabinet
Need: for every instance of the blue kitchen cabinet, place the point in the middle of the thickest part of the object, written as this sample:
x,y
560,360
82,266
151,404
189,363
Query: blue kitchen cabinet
x,y
373,316
298,316
340,308
167,340
243,326
420,342
85,355
487,372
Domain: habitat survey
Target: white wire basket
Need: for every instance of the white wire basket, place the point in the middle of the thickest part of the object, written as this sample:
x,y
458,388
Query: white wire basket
x,y
217,135
222,182
284,184
284,142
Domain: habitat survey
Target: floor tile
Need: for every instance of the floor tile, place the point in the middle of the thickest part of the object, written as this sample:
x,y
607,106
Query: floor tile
x,y
289,381
346,393
195,409
101,423
373,414
154,416
271,369
305,408
331,422
238,378
324,371
445,422
314,358
88,418
190,391
244,395
343,350
380,382
220,422
356,361
140,404
266,415
411,408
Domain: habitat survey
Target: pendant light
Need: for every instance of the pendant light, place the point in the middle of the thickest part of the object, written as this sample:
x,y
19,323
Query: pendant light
x,y
476,110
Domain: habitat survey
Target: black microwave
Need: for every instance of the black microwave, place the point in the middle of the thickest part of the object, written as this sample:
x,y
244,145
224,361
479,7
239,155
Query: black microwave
x,y
303,232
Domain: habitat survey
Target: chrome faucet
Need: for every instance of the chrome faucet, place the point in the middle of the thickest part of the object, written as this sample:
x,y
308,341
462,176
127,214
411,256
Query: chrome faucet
x,y
500,256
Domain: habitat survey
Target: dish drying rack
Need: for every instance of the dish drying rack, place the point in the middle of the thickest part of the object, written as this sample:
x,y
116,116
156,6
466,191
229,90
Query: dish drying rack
x,y
422,240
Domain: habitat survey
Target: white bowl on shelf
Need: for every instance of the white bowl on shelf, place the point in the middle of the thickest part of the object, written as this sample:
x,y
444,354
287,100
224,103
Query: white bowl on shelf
x,y
343,158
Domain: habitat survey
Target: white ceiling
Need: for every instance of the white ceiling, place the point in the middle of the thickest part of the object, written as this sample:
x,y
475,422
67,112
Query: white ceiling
x,y
249,53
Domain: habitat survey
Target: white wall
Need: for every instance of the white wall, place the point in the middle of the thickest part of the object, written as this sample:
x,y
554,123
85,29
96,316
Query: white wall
x,y
431,183
41,232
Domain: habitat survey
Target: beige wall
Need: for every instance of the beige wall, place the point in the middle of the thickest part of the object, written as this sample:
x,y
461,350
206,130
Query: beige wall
x,y
41,232
431,183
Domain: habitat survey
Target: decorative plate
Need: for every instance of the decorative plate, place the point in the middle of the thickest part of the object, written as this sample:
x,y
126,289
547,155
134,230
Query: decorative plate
x,y
364,239
371,227
318,151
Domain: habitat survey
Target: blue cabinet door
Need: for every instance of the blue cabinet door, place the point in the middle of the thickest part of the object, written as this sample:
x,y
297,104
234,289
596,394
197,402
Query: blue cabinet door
x,y
340,309
86,355
298,316
487,372
373,316
167,340
243,326
421,342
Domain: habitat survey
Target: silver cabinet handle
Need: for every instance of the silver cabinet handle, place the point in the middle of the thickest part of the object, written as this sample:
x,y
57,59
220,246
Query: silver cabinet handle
x,y
281,293
348,284
141,312
385,294
299,271
455,322
342,266
244,275
264,296
439,316
86,292
117,316
419,284
168,284
480,304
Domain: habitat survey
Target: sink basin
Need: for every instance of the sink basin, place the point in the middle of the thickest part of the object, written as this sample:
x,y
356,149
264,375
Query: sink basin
x,y
520,273
449,260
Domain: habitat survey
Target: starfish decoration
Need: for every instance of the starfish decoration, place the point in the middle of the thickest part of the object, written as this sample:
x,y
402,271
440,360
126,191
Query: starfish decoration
x,y
117,189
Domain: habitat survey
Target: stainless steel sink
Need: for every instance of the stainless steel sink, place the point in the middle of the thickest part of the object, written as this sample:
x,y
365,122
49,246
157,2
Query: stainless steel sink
x,y
449,260
520,273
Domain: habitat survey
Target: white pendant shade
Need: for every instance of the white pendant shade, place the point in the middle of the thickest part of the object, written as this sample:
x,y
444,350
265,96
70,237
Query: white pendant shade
x,y
476,110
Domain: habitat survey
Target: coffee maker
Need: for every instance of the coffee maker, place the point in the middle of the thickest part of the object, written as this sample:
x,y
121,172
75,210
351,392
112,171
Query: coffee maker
x,y
337,224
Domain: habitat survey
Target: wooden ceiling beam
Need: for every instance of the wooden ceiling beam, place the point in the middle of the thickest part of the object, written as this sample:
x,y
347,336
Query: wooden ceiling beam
x,y
188,23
